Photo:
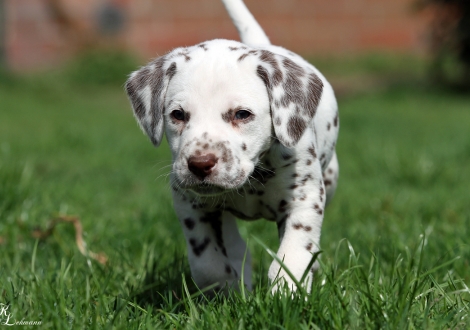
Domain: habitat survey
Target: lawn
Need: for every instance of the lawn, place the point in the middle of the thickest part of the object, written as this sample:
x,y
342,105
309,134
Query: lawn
x,y
395,239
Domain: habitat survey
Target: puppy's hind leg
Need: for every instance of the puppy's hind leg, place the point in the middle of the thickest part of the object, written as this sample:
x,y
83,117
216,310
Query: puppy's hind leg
x,y
330,178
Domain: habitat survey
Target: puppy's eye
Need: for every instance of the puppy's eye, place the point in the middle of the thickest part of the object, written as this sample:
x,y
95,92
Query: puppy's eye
x,y
242,114
178,114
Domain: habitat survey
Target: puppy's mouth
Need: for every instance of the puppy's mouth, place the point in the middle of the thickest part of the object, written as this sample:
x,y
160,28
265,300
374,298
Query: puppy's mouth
x,y
204,189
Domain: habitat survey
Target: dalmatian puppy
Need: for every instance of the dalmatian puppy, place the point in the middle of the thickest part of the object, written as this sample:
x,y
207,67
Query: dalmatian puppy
x,y
252,129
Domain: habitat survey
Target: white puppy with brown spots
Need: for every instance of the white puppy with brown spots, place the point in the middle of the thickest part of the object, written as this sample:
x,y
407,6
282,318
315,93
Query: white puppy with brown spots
x,y
252,129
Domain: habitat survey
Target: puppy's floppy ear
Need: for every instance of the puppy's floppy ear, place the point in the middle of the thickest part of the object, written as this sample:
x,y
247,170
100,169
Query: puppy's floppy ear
x,y
146,89
294,94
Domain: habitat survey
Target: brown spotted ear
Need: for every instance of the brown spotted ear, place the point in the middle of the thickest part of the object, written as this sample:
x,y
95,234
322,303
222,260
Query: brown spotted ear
x,y
294,93
146,89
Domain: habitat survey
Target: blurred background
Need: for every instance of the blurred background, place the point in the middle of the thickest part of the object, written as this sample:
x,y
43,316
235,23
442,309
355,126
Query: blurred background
x,y
38,34
41,32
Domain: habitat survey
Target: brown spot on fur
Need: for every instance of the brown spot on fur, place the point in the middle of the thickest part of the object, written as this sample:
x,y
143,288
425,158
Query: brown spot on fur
x,y
270,58
335,121
242,57
317,208
309,246
311,150
244,146
171,70
309,162
228,116
307,228
315,89
297,226
296,127
293,85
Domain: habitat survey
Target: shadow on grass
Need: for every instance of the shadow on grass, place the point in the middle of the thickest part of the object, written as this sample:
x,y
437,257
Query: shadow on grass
x,y
162,285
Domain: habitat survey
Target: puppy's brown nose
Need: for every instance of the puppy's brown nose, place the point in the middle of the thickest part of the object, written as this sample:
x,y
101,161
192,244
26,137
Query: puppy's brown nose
x,y
202,166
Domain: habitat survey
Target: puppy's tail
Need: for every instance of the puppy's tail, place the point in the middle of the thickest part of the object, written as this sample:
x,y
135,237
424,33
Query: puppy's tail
x,y
250,31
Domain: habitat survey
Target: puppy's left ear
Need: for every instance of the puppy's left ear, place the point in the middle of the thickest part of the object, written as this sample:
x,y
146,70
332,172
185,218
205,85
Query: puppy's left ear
x,y
294,94
146,89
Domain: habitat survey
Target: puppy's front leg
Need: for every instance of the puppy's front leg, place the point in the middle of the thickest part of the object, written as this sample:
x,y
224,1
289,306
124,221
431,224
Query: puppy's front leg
x,y
300,236
215,248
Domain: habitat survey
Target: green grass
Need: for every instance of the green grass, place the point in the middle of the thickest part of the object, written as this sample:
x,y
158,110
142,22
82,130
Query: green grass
x,y
395,239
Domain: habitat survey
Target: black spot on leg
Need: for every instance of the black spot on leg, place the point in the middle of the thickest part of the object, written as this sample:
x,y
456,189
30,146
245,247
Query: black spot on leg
x,y
214,219
244,146
309,246
297,226
189,223
328,126
309,162
282,206
199,248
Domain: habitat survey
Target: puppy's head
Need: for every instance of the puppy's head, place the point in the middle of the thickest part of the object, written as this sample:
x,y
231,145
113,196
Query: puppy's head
x,y
219,103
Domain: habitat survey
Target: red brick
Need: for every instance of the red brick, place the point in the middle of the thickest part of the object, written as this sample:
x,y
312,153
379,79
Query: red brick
x,y
154,27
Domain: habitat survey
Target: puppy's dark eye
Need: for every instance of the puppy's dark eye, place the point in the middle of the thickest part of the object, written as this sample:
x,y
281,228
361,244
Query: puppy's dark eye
x,y
178,114
242,114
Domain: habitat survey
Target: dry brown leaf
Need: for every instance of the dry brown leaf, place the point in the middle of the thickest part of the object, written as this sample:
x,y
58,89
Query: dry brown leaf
x,y
100,257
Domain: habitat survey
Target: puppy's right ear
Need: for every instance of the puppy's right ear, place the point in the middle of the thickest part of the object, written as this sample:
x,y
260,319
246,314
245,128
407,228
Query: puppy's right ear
x,y
146,89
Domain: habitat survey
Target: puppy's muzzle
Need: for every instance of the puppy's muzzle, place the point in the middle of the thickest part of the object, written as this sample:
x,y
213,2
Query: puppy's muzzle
x,y
202,166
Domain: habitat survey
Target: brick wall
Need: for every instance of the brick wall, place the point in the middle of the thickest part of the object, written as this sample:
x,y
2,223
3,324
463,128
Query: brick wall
x,y
38,37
